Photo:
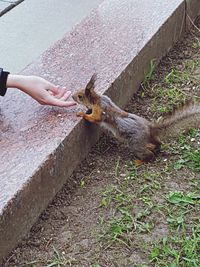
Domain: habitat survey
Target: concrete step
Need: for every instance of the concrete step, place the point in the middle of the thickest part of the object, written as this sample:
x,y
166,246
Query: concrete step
x,y
41,146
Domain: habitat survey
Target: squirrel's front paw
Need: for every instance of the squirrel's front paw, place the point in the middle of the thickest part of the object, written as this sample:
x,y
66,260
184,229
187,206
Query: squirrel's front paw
x,y
80,114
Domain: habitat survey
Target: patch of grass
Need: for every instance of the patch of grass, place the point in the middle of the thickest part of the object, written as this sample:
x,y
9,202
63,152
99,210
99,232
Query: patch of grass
x,y
130,211
186,147
174,95
182,198
116,228
181,248
178,250
189,158
196,43
132,207
176,77
159,108
116,195
59,260
169,97
120,225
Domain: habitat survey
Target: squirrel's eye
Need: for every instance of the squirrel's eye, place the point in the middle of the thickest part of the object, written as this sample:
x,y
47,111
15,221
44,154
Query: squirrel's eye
x,y
80,97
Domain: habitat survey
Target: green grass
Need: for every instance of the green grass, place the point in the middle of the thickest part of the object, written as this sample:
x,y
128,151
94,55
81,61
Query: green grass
x,y
168,91
182,246
149,75
190,159
178,197
189,155
132,208
59,260
182,249
176,77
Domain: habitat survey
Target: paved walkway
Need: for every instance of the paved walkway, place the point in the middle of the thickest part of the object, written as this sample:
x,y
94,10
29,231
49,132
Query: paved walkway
x,y
34,25
6,5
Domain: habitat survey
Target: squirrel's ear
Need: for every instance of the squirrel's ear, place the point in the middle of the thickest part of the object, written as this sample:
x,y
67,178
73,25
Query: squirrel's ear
x,y
91,85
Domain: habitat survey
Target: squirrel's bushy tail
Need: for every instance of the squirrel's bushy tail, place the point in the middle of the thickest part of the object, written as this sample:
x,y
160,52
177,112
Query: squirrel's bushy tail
x,y
182,119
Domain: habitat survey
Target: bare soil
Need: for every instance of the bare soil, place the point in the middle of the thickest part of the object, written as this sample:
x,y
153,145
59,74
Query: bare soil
x,y
74,229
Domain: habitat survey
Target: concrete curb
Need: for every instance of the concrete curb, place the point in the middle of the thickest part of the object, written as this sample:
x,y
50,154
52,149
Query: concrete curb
x,y
52,142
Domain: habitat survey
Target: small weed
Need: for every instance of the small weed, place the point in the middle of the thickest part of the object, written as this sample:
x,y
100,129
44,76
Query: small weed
x,y
176,77
159,108
150,72
176,221
59,260
107,196
178,197
189,65
174,95
144,227
82,183
117,196
118,228
195,45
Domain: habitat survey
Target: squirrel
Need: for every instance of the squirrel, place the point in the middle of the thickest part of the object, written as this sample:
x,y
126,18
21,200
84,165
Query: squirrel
x,y
143,137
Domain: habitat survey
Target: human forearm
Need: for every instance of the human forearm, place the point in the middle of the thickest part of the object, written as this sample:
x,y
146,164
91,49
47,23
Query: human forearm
x,y
15,81
40,89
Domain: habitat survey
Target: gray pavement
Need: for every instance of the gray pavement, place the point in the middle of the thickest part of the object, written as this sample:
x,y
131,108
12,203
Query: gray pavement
x,y
6,5
32,26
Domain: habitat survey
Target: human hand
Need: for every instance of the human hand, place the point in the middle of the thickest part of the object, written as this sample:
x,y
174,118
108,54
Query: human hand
x,y
41,90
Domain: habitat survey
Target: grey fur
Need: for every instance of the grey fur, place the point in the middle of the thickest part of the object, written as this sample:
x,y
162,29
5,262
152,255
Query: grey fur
x,y
133,131
139,134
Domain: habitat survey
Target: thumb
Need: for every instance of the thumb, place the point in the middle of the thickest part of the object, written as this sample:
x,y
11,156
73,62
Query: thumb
x,y
53,88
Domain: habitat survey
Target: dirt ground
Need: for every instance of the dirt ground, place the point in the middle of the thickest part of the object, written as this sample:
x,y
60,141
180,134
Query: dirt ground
x,y
113,213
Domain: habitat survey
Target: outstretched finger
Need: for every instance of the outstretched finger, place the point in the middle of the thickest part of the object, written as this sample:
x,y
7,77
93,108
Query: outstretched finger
x,y
53,89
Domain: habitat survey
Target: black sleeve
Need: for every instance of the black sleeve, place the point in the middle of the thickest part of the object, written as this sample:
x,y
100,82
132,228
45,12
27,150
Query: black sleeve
x,y
3,81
